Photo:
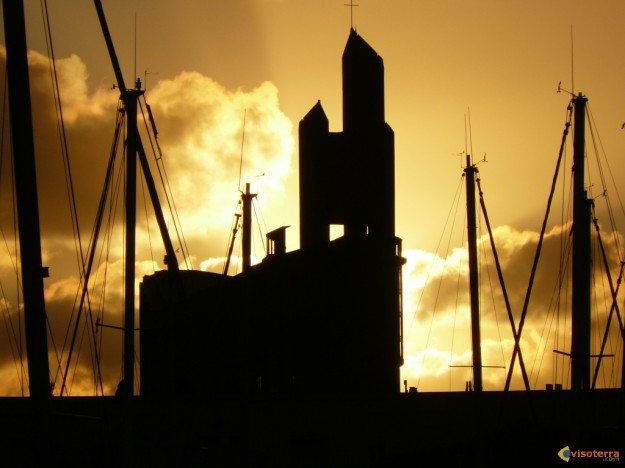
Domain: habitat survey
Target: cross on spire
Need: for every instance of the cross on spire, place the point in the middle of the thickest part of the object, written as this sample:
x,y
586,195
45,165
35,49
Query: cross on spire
x,y
351,6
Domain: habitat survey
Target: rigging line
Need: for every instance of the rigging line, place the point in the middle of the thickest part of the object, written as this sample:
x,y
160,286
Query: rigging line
x,y
51,335
453,328
175,214
104,259
2,159
600,300
105,253
455,204
538,248
93,246
260,229
63,139
65,152
567,260
555,306
492,289
169,196
613,307
555,301
502,283
258,212
262,217
13,343
18,284
171,259
539,357
614,185
564,255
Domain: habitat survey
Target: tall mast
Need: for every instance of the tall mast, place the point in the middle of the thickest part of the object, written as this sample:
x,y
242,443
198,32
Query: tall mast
x,y
134,150
26,199
247,198
130,104
470,171
580,340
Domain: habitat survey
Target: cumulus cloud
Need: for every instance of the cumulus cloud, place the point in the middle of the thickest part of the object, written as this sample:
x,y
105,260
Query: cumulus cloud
x,y
437,315
207,149
200,125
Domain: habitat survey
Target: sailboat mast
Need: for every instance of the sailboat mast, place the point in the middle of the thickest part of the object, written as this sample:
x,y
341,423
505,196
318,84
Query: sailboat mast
x,y
247,198
470,171
26,199
130,104
580,340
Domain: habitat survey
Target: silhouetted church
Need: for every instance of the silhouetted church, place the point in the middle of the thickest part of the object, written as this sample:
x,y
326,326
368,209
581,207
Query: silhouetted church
x,y
325,319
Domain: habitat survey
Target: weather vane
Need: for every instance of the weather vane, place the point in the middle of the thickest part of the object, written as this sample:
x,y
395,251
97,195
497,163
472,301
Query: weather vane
x,y
351,6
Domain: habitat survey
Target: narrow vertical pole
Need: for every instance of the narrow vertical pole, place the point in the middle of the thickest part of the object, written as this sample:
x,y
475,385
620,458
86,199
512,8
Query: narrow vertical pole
x,y
473,277
26,199
580,327
247,198
130,104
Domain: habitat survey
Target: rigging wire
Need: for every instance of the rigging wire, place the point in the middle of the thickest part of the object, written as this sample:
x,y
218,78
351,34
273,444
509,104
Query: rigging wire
x,y
492,293
597,143
599,301
260,228
504,290
70,193
69,181
453,209
168,193
92,248
453,328
538,248
14,336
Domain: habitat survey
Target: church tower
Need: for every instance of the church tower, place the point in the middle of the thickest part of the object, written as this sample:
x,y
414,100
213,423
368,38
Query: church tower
x,y
347,178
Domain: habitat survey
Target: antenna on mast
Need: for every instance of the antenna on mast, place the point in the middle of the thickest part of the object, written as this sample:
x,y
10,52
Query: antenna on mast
x,y
560,88
572,65
468,137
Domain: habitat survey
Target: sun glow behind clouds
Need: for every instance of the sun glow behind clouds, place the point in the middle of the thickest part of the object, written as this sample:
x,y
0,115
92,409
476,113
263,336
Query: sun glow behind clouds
x,y
200,125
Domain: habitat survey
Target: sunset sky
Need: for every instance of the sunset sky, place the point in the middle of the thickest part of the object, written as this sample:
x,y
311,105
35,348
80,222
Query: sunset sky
x,y
206,63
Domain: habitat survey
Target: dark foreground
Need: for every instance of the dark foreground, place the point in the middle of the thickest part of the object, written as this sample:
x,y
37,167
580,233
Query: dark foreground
x,y
424,429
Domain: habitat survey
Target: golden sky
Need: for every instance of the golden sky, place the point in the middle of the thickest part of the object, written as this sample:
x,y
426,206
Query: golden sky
x,y
208,61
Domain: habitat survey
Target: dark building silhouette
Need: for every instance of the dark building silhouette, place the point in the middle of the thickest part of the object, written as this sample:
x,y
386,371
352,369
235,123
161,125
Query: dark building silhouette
x,y
325,319
348,178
